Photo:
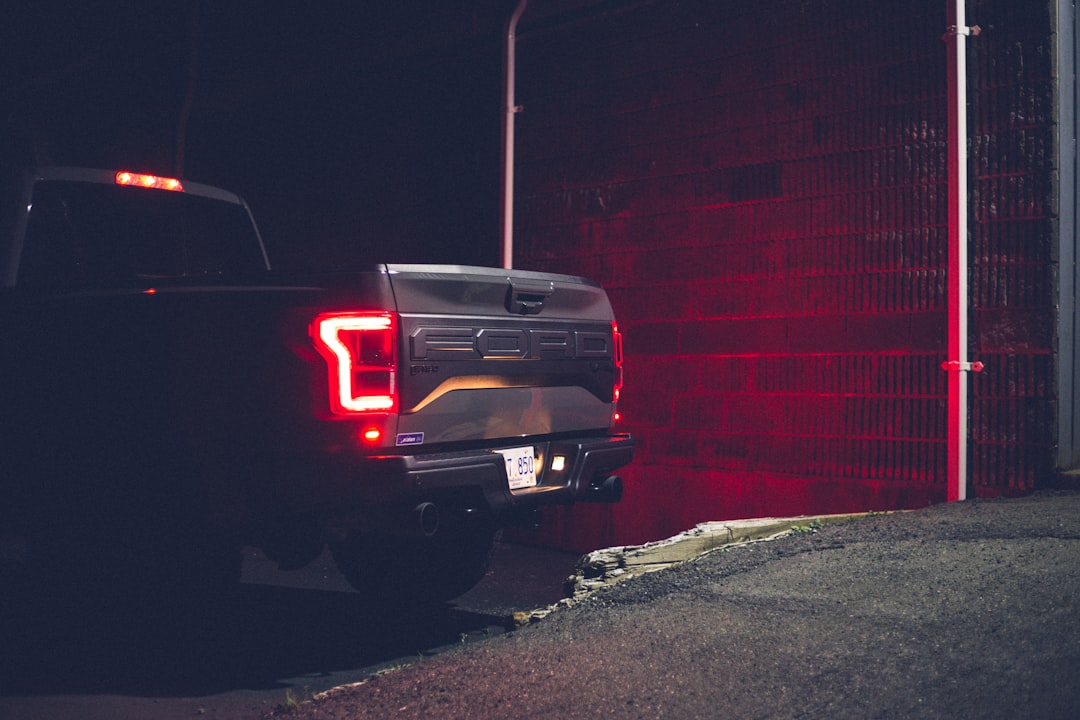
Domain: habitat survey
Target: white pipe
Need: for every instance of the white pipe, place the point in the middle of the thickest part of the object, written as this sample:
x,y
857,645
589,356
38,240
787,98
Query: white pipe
x,y
506,217
957,365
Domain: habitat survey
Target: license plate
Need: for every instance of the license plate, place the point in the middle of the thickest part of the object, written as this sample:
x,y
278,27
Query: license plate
x,y
520,467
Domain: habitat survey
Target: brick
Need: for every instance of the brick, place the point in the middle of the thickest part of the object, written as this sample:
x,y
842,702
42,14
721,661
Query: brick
x,y
1013,330
876,332
734,337
650,338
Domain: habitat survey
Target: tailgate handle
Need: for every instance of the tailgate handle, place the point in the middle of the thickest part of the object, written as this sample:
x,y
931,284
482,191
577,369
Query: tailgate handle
x,y
526,297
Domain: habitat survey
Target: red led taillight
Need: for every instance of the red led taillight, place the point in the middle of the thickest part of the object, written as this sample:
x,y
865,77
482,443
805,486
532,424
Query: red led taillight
x,y
360,354
616,338
155,182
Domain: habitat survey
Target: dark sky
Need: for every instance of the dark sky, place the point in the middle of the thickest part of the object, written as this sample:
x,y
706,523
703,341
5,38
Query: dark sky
x,y
358,131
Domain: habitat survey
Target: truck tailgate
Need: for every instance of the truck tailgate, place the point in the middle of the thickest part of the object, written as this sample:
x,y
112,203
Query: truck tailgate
x,y
489,353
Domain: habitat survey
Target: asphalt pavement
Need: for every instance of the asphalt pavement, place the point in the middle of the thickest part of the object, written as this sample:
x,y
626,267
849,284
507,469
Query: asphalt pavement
x,y
289,635
965,610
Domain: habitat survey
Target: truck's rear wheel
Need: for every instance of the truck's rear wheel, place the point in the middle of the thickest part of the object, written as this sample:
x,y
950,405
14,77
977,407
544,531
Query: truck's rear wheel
x,y
418,571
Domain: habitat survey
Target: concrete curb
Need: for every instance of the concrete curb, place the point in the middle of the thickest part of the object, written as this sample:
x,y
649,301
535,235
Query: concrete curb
x,y
603,568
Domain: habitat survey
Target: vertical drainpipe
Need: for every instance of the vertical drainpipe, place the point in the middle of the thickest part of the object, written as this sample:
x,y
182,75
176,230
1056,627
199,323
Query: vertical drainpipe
x,y
506,216
1067,389
957,365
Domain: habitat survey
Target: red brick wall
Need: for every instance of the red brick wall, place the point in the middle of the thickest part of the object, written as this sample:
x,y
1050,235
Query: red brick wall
x,y
1012,245
761,187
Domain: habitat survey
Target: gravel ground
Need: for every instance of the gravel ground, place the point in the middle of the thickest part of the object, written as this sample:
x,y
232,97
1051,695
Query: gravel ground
x,y
965,610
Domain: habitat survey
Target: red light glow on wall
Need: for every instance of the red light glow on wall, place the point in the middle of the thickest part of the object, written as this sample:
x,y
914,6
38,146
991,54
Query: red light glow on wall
x,y
771,227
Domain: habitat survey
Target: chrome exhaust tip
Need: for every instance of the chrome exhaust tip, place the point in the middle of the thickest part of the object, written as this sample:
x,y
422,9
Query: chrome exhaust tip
x,y
608,489
426,516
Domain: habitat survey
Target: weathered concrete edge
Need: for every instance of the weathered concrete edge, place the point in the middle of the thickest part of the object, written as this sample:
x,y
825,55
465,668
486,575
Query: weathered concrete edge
x,y
606,567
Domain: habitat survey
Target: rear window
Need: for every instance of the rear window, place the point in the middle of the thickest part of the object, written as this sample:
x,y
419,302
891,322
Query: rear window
x,y
86,234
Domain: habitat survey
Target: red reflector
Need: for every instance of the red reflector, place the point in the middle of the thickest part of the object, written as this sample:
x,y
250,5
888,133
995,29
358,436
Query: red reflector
x,y
360,354
148,181
616,337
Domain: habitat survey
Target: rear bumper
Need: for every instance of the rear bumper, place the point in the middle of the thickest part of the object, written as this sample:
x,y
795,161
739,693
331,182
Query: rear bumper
x,y
302,505
478,477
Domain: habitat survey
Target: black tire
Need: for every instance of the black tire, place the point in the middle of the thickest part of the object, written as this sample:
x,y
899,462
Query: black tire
x,y
410,572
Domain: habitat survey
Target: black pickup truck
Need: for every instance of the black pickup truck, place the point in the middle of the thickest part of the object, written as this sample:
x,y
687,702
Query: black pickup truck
x,y
168,399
